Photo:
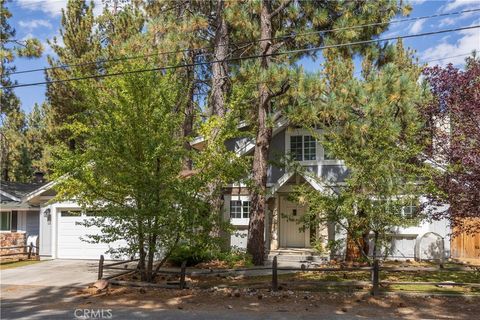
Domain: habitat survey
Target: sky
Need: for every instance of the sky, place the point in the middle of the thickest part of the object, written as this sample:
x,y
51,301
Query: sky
x,y
41,19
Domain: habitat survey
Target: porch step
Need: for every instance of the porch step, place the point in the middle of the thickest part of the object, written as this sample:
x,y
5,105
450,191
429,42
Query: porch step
x,y
297,256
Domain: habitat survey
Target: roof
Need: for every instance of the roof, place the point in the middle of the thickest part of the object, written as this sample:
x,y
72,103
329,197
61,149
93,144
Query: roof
x,y
17,190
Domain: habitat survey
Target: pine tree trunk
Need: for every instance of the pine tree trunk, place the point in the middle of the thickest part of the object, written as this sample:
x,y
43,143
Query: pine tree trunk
x,y
256,227
189,108
219,69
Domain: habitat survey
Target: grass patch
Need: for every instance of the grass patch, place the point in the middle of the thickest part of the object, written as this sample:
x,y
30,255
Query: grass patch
x,y
15,264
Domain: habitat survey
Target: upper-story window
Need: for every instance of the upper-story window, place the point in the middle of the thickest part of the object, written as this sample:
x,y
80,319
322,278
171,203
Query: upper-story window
x,y
303,148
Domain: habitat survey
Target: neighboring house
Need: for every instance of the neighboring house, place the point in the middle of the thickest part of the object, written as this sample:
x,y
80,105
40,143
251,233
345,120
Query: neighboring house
x,y
429,240
19,220
27,211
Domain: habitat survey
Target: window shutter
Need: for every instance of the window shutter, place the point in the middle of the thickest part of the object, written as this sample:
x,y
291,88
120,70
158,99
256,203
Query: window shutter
x,y
14,221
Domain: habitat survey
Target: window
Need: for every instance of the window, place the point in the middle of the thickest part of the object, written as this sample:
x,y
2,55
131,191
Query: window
x,y
246,209
239,209
296,147
303,148
309,148
71,213
235,209
409,211
5,221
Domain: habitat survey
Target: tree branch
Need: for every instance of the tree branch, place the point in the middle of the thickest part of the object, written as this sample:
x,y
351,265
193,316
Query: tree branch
x,y
282,6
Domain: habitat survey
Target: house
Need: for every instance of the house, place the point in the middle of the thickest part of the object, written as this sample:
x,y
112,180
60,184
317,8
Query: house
x,y
28,214
429,240
28,210
19,220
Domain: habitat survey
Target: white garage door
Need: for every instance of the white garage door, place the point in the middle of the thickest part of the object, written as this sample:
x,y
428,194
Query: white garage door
x,y
70,234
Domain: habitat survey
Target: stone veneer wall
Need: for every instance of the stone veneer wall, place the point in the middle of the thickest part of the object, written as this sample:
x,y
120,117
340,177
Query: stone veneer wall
x,y
11,239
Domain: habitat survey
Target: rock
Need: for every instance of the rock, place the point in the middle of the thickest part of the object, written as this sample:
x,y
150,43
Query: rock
x,y
229,307
445,285
101,284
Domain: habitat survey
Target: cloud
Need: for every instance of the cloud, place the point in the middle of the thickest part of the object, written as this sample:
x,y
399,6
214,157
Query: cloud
x,y
468,41
417,2
34,24
456,4
416,27
446,22
53,7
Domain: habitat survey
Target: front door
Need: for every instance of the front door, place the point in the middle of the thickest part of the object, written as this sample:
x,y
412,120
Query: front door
x,y
291,235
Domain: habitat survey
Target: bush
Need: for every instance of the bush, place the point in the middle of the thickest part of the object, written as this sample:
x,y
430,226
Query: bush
x,y
194,255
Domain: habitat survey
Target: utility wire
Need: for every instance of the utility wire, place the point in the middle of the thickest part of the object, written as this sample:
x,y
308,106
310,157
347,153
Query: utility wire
x,y
356,73
339,45
244,42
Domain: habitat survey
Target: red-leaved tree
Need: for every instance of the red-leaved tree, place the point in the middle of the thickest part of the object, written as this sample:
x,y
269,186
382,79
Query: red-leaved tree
x,y
454,122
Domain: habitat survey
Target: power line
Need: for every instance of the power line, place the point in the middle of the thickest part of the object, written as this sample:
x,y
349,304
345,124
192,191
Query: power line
x,y
245,42
339,45
356,73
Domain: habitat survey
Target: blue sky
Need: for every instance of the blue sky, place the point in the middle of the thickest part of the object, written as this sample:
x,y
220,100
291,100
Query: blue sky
x,y
41,19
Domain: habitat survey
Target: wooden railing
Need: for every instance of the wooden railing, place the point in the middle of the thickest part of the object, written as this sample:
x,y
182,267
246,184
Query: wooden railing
x,y
374,270
28,250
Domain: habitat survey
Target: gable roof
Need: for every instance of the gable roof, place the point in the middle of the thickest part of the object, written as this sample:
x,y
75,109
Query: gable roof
x,y
15,191
280,122
317,185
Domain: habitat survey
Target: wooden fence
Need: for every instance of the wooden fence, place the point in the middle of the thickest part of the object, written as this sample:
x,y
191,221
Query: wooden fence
x,y
28,250
374,270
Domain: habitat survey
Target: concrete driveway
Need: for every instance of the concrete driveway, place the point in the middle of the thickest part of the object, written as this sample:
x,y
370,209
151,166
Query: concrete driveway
x,y
53,273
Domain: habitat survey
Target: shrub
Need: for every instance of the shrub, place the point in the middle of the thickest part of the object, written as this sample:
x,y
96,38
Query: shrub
x,y
192,254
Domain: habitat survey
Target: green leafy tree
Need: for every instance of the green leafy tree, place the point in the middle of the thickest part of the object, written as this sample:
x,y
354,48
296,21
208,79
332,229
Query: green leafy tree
x,y
131,169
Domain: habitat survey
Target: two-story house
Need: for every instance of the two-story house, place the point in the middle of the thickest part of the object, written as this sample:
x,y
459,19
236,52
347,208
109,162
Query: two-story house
x,y
283,231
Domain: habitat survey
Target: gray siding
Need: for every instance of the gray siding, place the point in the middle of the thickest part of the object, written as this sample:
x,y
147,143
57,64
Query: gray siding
x,y
276,153
334,173
32,223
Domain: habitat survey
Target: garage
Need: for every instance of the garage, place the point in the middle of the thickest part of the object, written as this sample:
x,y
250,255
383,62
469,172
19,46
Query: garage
x,y
70,233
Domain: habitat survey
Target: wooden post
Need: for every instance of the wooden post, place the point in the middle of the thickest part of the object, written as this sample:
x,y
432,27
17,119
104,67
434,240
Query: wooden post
x,y
30,249
375,278
182,275
100,267
274,274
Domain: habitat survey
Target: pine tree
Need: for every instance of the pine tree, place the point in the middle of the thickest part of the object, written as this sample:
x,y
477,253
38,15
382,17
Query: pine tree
x,y
274,19
374,125
79,46
14,158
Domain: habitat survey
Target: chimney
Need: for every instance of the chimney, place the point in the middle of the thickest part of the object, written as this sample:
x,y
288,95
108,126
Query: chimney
x,y
38,177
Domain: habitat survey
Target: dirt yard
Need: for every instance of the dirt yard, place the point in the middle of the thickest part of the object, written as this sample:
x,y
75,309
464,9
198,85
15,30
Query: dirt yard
x,y
299,302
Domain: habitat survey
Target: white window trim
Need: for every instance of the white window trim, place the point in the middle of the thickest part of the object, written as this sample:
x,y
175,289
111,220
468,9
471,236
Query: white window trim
x,y
319,155
236,221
